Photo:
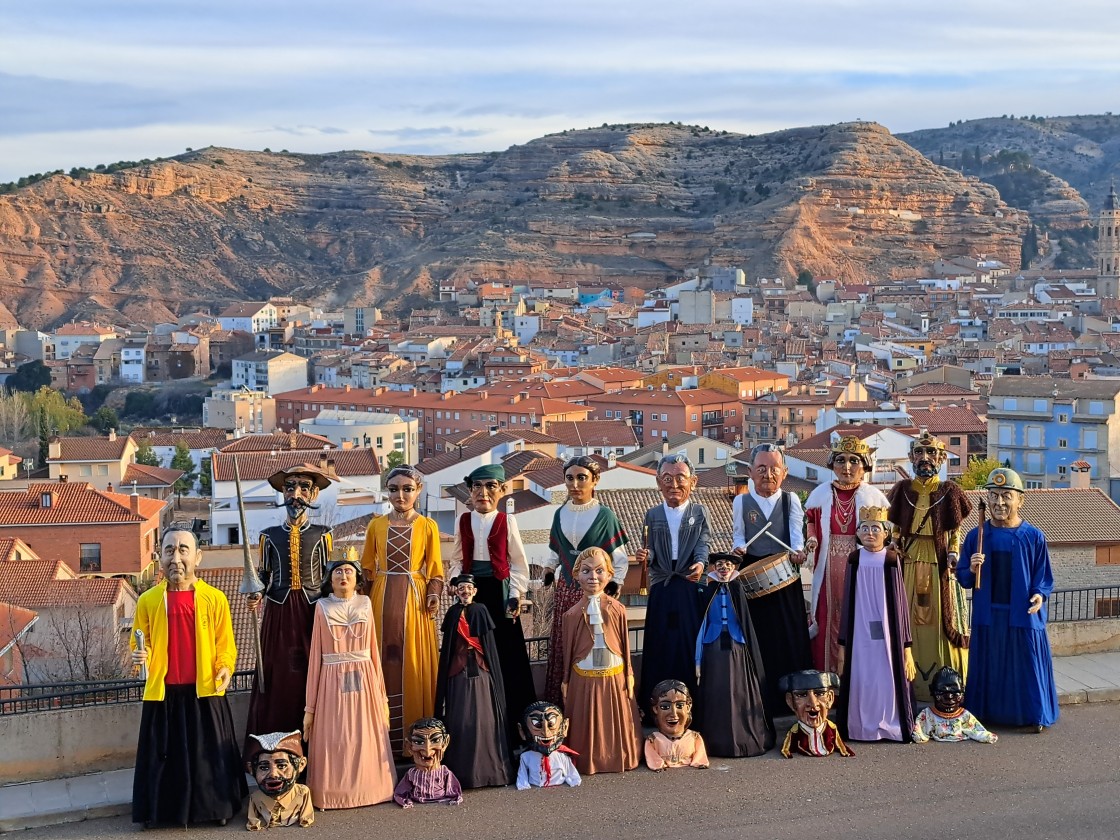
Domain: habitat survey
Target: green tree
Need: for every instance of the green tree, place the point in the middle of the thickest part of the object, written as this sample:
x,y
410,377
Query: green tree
x,y
146,455
394,459
206,477
139,404
975,475
105,419
62,415
30,376
182,460
44,437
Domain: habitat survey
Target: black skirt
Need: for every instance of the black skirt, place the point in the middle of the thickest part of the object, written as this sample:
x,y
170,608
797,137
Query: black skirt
x,y
730,711
509,640
188,766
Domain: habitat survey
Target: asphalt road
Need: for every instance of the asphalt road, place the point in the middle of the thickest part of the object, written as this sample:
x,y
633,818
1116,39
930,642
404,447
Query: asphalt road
x,y
1064,783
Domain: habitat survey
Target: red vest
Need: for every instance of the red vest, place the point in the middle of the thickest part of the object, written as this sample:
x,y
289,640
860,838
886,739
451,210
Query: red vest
x,y
497,544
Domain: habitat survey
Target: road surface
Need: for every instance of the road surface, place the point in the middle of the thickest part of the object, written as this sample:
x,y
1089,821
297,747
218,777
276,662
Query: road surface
x,y
1064,783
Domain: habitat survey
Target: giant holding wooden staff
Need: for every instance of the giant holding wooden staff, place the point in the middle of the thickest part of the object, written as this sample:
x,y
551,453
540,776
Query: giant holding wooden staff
x,y
928,512
293,561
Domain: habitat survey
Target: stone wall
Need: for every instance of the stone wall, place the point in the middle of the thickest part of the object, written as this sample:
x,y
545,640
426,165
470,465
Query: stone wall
x,y
70,742
1075,567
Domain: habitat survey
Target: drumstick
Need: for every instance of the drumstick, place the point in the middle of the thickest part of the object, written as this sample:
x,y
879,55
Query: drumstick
x,y
784,545
761,531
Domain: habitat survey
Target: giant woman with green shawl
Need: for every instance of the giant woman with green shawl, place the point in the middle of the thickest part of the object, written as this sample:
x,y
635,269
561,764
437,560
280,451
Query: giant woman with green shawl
x,y
580,523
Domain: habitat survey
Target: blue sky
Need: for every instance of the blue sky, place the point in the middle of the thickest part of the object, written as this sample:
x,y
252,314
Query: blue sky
x,y
85,82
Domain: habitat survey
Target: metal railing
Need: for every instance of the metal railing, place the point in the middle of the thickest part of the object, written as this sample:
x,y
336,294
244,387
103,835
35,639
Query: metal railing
x,y
1084,604
43,697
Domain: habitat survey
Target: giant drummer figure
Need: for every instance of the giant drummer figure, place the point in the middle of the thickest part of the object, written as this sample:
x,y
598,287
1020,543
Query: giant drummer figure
x,y
293,559
769,538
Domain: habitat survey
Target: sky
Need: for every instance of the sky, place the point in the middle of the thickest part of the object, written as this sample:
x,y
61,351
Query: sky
x,y
85,82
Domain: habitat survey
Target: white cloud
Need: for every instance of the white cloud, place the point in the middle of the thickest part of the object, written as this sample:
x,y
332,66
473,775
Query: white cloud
x,y
78,77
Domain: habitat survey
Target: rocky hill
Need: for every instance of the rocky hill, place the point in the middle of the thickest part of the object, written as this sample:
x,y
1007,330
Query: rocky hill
x,y
1074,161
633,204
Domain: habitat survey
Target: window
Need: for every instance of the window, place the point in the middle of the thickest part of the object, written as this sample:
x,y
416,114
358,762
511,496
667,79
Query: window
x,y
1063,443
1033,485
1010,404
1089,439
1006,435
693,418
85,469
1063,470
90,557
1096,407
1034,463
1040,405
700,456
732,412
1034,436
102,469
810,474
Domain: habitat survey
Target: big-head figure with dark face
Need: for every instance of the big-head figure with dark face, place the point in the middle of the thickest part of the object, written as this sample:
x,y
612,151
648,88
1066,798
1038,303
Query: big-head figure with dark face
x,y
275,761
546,761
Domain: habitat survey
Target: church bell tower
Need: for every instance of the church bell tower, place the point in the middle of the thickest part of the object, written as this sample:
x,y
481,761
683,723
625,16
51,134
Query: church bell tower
x,y
1108,247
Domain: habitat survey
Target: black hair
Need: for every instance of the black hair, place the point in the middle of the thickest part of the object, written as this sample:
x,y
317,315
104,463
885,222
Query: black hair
x,y
326,589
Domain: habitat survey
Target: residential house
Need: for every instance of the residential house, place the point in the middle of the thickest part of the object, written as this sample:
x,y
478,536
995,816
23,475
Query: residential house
x,y
439,416
593,437
15,624
9,464
255,317
70,337
1040,425
93,531
133,361
100,461
747,383
656,414
792,416
270,371
83,623
239,410
702,451
384,433
355,491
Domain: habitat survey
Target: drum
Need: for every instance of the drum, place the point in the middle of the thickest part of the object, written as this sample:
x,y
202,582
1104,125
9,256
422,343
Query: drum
x,y
768,575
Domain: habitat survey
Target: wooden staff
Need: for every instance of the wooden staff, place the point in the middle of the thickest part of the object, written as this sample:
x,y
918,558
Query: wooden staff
x,y
983,507
643,586
250,581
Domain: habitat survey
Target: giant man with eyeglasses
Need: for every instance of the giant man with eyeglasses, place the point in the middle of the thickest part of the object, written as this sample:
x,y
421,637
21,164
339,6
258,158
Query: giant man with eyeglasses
x,y
293,560
677,553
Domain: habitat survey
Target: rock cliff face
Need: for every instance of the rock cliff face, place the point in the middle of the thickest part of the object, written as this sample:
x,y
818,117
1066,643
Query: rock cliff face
x,y
629,204
1078,157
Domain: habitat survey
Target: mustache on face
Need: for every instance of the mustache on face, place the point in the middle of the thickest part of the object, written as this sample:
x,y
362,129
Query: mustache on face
x,y
296,505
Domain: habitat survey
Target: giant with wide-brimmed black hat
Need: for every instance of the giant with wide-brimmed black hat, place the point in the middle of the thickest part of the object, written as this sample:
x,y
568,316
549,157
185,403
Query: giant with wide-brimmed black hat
x,y
294,556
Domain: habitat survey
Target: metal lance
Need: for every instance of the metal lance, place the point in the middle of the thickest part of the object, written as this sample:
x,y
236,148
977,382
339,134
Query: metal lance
x,y
643,580
250,580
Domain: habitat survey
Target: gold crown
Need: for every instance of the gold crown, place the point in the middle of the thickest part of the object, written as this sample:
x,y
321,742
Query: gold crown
x,y
926,439
873,514
852,445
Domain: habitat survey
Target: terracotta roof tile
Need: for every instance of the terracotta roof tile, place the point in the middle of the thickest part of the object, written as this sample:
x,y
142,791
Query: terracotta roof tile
x,y
14,621
1065,516
23,581
631,505
91,449
279,441
200,439
258,466
229,581
72,503
589,433
948,419
146,476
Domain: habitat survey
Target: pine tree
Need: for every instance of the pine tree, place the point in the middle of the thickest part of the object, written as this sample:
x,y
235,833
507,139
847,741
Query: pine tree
x,y
146,455
183,461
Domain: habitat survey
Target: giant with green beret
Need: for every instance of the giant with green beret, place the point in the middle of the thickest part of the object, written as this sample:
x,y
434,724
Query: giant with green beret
x,y
487,472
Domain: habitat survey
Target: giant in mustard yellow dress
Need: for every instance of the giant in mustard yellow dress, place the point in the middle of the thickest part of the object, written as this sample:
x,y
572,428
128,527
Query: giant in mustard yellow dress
x,y
403,565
